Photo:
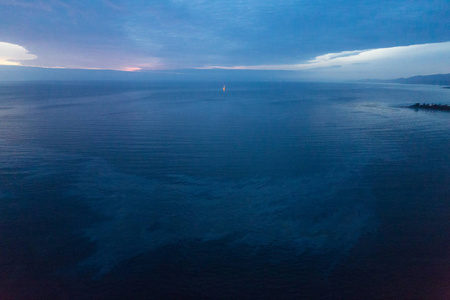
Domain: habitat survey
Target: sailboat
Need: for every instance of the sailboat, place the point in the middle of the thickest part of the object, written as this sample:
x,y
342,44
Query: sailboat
x,y
224,88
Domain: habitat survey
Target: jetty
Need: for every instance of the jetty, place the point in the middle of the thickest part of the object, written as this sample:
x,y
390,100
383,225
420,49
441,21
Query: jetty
x,y
441,107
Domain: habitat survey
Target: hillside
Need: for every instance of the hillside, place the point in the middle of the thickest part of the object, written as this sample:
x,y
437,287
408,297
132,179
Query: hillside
x,y
439,79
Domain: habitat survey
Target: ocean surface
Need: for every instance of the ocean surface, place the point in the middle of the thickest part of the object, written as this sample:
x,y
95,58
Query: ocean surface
x,y
271,190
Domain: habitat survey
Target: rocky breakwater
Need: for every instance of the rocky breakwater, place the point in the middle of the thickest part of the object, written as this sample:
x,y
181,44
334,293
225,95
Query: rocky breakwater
x,y
441,107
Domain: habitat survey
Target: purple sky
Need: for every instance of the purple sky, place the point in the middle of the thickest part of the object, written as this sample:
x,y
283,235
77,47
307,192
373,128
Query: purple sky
x,y
318,39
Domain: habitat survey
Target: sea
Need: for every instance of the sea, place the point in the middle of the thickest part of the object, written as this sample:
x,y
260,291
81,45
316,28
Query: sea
x,y
180,190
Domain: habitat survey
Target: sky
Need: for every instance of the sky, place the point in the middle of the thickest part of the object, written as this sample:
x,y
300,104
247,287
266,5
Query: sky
x,y
310,39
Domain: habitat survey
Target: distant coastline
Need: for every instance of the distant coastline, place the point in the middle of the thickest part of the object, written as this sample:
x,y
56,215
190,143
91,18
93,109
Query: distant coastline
x,y
437,79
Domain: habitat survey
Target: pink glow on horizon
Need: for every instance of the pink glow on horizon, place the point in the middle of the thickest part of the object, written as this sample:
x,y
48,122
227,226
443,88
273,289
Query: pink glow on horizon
x,y
130,69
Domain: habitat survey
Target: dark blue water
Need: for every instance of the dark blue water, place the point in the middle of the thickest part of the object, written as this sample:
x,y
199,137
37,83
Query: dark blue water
x,y
118,190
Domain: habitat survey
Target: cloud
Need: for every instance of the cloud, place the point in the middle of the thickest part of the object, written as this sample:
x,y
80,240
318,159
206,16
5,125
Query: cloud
x,y
12,54
183,34
377,55
415,59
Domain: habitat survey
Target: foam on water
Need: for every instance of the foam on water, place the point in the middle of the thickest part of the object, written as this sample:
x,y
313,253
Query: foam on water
x,y
306,213
323,214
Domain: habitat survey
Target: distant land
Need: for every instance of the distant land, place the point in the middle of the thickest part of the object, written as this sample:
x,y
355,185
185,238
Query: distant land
x,y
438,79
21,73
